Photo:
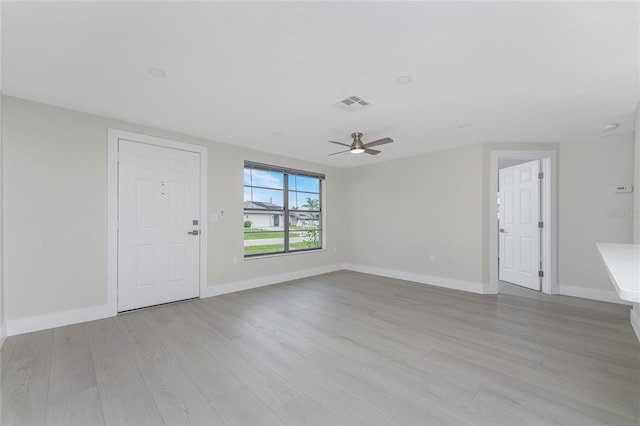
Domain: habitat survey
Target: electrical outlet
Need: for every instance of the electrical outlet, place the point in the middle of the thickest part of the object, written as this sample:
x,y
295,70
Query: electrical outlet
x,y
235,260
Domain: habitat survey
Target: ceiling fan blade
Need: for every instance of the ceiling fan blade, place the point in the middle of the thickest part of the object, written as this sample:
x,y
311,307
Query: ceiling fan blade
x,y
378,142
372,151
340,152
340,143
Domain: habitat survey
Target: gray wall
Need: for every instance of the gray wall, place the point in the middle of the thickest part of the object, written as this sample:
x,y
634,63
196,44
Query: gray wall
x,y
636,186
2,320
589,209
635,312
401,212
55,211
391,215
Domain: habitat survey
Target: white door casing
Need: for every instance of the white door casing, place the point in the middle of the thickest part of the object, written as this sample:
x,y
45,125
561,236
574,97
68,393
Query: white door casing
x,y
158,207
519,212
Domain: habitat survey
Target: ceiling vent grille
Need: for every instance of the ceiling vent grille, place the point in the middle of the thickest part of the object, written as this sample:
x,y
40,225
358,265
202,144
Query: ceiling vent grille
x,y
352,104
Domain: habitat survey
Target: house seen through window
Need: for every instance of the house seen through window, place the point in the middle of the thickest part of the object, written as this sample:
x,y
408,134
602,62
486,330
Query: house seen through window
x,y
282,210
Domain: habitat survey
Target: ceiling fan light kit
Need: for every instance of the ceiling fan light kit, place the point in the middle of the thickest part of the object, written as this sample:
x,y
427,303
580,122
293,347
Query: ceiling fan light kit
x,y
358,147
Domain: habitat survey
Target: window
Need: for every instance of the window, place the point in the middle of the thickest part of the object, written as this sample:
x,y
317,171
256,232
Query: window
x,y
282,210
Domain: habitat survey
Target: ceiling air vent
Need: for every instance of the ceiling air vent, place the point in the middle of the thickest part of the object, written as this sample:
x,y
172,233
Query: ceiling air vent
x,y
352,103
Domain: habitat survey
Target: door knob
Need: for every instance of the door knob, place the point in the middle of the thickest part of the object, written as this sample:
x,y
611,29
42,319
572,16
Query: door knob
x,y
501,230
195,232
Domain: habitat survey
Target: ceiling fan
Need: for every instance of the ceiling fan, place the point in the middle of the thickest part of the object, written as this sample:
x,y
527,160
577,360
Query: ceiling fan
x,y
358,147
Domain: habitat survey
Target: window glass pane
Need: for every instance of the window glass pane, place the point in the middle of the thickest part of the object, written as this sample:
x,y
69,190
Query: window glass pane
x,y
263,243
303,183
264,178
269,224
263,232
304,201
304,231
264,198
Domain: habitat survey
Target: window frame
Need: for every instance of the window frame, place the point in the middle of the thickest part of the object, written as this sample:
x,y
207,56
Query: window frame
x,y
286,210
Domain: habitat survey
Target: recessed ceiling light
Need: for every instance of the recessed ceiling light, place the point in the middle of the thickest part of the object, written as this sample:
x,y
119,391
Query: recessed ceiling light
x,y
610,126
276,133
157,72
464,125
404,79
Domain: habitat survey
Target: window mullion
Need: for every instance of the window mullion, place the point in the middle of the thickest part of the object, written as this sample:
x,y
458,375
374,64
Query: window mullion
x,y
286,212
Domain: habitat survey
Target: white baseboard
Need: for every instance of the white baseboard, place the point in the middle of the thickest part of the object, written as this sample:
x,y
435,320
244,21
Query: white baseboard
x,y
473,287
58,319
634,316
234,286
593,294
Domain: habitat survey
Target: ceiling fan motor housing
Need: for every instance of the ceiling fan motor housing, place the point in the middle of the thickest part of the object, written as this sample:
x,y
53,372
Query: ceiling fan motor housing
x,y
357,141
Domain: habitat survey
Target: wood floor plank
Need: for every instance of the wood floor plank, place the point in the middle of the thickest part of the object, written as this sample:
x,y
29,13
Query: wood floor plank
x,y
25,384
241,407
124,396
264,384
6,353
71,362
176,397
82,408
208,375
338,348
303,411
346,406
105,336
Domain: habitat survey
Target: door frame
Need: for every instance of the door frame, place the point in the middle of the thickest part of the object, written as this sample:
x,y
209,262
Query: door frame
x,y
549,215
113,136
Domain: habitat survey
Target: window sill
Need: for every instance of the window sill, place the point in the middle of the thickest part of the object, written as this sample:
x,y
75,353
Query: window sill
x,y
291,253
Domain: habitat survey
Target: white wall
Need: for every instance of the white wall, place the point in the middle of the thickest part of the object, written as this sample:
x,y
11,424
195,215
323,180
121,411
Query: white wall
x,y
3,330
635,312
589,209
399,213
55,212
636,184
387,218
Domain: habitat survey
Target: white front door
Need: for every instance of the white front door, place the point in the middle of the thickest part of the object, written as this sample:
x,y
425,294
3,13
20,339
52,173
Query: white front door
x,y
519,213
158,212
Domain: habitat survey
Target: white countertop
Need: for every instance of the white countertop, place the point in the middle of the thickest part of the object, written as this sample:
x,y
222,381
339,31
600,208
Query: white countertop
x,y
623,264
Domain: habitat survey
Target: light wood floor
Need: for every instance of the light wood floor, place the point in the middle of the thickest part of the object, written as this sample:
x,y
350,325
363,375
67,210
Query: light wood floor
x,y
341,348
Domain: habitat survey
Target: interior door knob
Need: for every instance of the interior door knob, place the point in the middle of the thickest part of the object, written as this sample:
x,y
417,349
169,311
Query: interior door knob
x,y
195,232
501,230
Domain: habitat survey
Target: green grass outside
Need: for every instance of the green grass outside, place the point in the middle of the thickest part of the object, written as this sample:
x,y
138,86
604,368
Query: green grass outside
x,y
273,248
267,235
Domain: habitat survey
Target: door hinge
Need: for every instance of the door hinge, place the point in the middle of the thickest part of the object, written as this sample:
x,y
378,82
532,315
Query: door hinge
x,y
540,224
540,175
541,274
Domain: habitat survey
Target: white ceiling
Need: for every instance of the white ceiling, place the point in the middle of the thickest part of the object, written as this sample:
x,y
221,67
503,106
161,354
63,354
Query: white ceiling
x,y
238,72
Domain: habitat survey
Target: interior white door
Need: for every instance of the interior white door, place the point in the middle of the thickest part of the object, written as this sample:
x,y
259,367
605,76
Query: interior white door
x,y
519,213
158,212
